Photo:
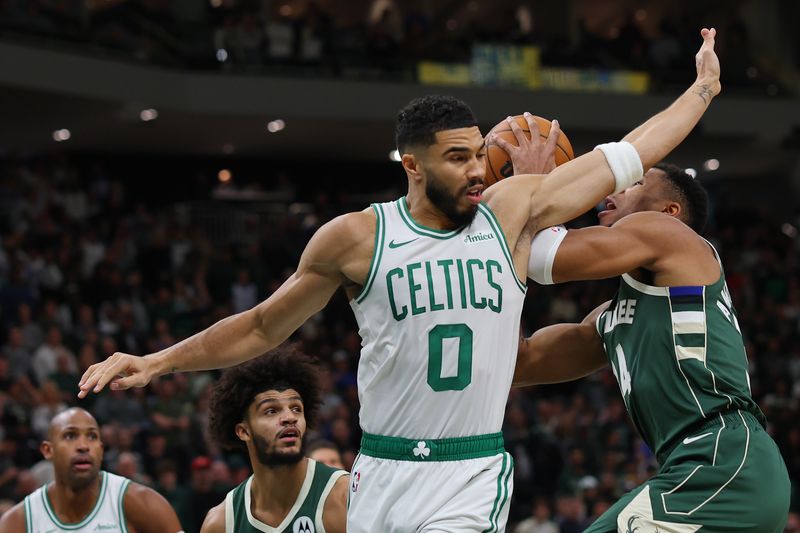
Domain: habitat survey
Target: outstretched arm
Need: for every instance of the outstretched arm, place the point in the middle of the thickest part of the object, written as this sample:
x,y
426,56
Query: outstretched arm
x,y
639,240
321,271
562,352
574,187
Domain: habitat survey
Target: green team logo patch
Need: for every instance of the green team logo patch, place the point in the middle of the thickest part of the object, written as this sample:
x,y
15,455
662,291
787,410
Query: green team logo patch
x,y
303,524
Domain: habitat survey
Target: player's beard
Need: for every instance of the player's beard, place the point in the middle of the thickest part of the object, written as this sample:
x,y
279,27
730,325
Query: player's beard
x,y
267,455
447,203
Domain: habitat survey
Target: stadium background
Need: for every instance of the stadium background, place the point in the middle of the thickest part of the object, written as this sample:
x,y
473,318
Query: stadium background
x,y
163,162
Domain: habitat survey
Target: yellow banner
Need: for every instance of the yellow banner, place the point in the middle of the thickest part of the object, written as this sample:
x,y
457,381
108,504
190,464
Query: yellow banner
x,y
587,80
432,73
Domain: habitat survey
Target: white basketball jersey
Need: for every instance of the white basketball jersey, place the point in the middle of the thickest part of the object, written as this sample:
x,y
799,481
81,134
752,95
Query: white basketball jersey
x,y
107,516
439,323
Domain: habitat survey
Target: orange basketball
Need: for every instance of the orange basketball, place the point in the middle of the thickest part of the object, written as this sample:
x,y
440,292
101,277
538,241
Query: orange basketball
x,y
498,163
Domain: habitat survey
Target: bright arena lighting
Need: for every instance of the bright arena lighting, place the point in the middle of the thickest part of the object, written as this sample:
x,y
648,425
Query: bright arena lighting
x,y
222,55
216,3
711,165
692,172
276,125
224,175
61,135
394,155
148,114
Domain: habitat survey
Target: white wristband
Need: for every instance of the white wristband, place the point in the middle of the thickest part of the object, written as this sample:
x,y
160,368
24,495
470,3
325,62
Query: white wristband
x,y
543,253
625,163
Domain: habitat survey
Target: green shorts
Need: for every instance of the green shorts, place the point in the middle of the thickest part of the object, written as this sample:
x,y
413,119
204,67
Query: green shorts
x,y
727,476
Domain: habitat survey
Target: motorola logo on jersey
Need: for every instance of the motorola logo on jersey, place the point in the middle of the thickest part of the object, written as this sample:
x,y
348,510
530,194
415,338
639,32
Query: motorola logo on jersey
x,y
303,525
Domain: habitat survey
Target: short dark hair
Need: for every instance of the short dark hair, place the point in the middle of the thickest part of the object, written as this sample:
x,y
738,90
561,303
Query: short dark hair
x,y
418,122
283,368
689,193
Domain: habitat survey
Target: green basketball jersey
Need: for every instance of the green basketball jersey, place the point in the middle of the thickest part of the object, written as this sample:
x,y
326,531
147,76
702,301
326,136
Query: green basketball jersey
x,y
678,356
304,517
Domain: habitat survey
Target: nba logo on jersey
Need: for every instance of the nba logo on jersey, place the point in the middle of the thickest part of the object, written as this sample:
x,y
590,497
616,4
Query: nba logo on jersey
x,y
356,479
303,525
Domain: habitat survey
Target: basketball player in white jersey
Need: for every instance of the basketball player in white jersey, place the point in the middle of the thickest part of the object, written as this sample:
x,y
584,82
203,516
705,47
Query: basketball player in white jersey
x,y
84,498
434,280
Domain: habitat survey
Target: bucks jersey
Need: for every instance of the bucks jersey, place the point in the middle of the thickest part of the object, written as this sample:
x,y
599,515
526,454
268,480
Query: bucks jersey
x,y
439,322
304,517
108,514
678,355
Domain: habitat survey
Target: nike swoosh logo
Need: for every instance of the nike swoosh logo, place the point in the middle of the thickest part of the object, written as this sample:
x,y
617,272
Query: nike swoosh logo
x,y
689,440
393,244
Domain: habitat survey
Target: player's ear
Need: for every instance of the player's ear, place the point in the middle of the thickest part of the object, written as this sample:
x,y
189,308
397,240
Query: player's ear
x,y
673,209
411,164
243,431
46,447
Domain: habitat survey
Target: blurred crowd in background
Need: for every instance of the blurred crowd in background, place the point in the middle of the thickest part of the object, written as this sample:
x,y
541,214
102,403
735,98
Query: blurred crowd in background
x,y
91,264
386,39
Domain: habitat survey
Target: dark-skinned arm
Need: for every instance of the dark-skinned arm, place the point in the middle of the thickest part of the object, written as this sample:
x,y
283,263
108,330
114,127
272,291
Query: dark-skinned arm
x,y
562,352
639,240
148,511
215,520
13,520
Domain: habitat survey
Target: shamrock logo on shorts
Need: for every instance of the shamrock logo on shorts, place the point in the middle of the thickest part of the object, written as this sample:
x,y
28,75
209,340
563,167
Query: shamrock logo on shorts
x,y
422,450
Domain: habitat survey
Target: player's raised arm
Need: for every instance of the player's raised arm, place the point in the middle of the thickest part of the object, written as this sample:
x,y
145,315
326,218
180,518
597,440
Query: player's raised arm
x,y
324,266
574,187
562,352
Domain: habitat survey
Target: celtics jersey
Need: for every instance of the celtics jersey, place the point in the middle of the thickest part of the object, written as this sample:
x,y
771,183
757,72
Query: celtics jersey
x,y
108,514
304,517
439,322
678,355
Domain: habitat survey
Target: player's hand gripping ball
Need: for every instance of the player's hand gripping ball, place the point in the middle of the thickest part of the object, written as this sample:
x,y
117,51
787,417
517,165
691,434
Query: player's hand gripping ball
x,y
498,162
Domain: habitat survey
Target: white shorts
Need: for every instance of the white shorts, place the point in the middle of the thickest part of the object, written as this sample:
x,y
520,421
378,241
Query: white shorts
x,y
397,496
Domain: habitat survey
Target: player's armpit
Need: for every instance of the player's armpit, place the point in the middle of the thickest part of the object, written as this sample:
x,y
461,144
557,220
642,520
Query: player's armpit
x,y
148,511
598,252
334,514
562,352
215,520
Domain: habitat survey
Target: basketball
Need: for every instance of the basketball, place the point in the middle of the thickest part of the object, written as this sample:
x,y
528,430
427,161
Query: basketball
x,y
498,162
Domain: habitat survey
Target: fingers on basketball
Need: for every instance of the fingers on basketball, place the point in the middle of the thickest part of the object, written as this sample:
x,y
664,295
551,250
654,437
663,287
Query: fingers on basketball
x,y
498,162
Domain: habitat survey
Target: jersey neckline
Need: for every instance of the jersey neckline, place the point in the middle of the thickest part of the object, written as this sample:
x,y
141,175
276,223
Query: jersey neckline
x,y
301,497
88,518
416,227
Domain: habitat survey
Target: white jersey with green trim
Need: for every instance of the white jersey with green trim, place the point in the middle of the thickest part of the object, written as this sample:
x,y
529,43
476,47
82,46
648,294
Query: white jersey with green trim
x,y
439,324
107,515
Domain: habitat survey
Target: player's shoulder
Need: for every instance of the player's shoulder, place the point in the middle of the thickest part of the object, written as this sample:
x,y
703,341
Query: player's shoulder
x,y
140,501
664,232
13,520
335,506
355,224
215,520
655,222
646,217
